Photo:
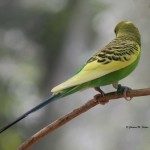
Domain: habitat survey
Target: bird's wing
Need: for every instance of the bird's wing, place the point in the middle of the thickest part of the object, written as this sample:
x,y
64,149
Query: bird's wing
x,y
110,59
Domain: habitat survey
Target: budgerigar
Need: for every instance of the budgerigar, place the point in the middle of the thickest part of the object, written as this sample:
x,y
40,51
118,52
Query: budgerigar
x,y
108,66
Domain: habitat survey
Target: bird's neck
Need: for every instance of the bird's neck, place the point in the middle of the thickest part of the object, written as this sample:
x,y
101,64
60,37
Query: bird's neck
x,y
133,36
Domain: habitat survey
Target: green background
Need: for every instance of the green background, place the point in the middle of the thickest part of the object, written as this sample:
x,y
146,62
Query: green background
x,y
43,43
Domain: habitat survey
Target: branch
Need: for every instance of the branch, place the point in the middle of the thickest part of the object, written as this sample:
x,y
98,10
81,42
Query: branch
x,y
76,112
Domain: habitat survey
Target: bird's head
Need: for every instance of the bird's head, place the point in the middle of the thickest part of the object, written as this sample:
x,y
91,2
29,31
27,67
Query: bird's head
x,y
127,28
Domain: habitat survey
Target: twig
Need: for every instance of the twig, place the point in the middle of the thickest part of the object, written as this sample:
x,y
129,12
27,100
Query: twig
x,y
76,112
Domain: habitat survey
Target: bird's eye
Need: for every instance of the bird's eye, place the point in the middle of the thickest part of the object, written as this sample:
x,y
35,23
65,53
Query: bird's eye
x,y
115,30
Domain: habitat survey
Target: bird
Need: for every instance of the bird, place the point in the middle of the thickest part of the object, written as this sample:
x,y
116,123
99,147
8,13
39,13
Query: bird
x,y
108,66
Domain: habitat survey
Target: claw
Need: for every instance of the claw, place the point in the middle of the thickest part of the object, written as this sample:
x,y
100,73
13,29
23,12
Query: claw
x,y
125,93
100,91
123,89
102,101
102,94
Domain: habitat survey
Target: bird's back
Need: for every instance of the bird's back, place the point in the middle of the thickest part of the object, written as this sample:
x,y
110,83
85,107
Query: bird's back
x,y
118,54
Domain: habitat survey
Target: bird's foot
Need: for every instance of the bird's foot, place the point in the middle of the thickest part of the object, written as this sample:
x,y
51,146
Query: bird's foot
x,y
100,91
123,90
101,101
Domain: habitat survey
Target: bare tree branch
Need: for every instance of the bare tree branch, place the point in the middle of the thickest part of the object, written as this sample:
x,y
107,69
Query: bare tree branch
x,y
76,112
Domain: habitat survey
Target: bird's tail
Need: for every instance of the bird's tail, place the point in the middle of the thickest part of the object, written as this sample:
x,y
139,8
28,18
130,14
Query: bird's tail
x,y
41,105
52,98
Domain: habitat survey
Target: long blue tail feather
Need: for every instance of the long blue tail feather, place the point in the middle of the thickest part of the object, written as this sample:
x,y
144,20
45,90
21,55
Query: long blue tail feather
x,y
47,101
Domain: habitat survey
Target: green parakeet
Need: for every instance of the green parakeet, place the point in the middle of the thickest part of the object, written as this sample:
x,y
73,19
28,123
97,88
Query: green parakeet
x,y
108,66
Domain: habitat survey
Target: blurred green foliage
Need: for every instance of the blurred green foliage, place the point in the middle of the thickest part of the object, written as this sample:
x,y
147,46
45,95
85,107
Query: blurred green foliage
x,y
41,44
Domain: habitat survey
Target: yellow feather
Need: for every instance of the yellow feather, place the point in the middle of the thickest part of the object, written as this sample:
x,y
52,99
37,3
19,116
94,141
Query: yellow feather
x,y
95,70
